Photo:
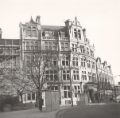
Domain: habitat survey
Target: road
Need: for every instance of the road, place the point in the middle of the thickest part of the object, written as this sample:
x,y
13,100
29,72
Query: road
x,y
92,111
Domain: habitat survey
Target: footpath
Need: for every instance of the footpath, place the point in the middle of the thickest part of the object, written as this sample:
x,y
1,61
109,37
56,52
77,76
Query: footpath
x,y
35,113
32,113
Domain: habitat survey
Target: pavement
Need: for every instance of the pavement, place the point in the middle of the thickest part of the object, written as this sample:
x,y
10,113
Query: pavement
x,y
63,112
99,110
32,113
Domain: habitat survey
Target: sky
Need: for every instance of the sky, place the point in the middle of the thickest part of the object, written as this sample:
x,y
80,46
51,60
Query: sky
x,y
101,18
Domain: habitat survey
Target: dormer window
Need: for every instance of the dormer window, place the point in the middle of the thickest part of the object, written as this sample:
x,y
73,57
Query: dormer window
x,y
75,33
82,48
43,34
87,51
91,53
79,34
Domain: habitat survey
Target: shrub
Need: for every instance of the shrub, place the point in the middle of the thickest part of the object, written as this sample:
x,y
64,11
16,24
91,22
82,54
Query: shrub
x,y
7,100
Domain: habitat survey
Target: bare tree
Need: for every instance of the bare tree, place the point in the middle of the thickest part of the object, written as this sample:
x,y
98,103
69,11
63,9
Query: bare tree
x,y
5,87
20,82
39,63
15,79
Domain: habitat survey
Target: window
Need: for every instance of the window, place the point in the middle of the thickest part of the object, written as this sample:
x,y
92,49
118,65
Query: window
x,y
75,33
34,33
93,65
75,61
83,62
88,64
33,96
47,45
28,96
28,59
64,46
93,77
65,61
32,46
84,77
66,75
1,50
53,88
79,34
74,47
67,93
27,45
87,51
91,53
90,76
36,45
51,75
43,34
76,90
50,45
82,49
28,31
75,74
48,34
31,31
54,61
54,46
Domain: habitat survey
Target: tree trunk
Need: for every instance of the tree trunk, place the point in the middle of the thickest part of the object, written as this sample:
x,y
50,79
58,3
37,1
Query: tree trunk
x,y
21,98
39,100
20,94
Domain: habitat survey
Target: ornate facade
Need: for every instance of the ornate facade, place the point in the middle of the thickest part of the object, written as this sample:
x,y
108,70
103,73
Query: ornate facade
x,y
74,59
74,64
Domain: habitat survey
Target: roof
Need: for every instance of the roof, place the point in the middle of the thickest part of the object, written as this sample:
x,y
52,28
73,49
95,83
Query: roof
x,y
53,28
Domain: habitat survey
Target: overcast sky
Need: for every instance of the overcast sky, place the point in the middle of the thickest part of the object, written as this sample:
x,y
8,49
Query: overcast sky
x,y
101,18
